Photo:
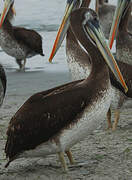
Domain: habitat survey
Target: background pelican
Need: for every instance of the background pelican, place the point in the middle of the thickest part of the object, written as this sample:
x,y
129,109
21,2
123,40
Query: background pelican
x,y
123,53
106,13
18,42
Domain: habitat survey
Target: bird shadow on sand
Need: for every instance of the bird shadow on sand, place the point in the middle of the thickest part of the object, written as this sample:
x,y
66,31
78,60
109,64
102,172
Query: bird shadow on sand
x,y
42,166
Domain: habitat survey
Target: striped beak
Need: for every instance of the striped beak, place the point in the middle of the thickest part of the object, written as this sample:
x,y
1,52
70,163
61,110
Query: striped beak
x,y
62,29
7,4
121,9
96,35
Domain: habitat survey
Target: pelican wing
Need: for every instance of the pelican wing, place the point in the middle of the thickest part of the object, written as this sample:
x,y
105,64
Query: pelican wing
x,y
30,38
44,116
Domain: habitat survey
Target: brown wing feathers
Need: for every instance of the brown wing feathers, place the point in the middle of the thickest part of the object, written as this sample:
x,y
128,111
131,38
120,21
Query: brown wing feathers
x,y
41,118
30,38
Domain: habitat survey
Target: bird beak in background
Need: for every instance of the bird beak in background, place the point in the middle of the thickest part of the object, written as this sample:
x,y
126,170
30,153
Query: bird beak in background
x,y
7,4
62,30
121,8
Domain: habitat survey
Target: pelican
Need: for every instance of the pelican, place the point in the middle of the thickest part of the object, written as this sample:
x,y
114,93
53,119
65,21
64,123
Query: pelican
x,y
52,121
106,13
18,42
123,53
79,61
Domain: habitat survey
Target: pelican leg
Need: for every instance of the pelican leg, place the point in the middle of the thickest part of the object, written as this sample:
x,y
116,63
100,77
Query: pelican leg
x,y
109,119
62,160
69,155
23,66
19,62
117,116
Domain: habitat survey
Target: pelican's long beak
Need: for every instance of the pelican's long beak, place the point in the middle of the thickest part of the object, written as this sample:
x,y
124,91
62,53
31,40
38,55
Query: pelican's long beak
x,y
95,33
62,30
121,9
7,4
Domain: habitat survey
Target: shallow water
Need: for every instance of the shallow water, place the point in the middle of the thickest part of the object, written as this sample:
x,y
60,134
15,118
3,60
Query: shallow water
x,y
44,16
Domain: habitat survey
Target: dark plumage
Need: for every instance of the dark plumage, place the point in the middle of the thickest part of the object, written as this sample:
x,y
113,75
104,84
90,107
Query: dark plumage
x,y
49,111
3,82
3,78
126,70
30,38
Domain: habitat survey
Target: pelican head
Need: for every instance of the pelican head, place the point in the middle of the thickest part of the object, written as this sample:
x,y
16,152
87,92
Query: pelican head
x,y
85,22
91,26
88,20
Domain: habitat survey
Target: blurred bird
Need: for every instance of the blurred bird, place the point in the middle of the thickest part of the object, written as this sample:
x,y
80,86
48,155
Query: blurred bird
x,y
123,53
18,42
106,13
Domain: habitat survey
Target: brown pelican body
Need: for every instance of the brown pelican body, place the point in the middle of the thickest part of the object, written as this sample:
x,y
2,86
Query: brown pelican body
x,y
53,121
3,82
106,13
123,54
18,42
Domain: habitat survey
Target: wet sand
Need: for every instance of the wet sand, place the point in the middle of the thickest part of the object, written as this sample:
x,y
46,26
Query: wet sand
x,y
103,155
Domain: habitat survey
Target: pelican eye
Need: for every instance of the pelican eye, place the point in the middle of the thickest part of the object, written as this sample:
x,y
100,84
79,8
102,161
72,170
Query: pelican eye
x,y
87,17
